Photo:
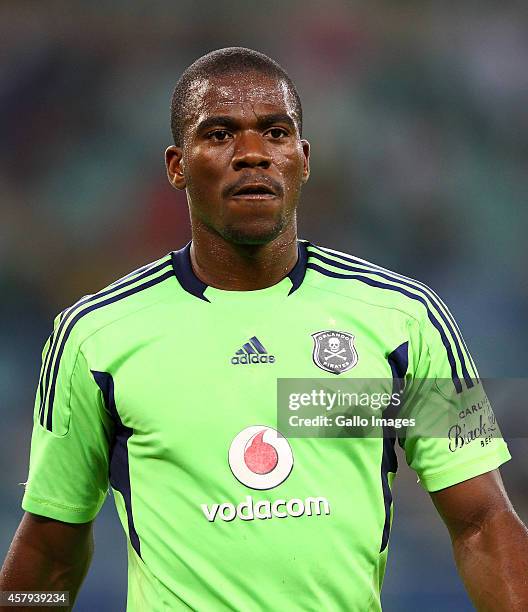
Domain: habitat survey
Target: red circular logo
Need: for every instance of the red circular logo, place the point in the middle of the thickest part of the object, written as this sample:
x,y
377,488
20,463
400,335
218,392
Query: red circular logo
x,y
260,457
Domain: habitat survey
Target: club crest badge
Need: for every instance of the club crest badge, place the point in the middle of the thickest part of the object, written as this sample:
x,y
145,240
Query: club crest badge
x,y
334,351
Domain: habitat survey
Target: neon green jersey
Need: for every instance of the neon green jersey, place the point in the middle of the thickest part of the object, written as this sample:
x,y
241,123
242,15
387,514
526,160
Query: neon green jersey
x,y
166,389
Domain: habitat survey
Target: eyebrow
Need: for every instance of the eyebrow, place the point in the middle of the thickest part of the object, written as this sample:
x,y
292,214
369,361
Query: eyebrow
x,y
229,122
268,120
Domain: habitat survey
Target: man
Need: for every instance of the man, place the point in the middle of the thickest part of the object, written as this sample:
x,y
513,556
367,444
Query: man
x,y
164,383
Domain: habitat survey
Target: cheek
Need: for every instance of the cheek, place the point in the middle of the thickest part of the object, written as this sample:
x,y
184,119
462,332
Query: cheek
x,y
204,165
291,165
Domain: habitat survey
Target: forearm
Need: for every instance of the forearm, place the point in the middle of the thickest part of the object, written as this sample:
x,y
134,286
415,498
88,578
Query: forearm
x,y
40,564
493,562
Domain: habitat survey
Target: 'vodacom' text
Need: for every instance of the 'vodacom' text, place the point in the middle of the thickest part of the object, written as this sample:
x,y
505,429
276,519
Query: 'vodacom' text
x,y
249,510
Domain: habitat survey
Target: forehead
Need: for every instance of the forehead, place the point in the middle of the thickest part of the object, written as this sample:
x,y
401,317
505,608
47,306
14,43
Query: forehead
x,y
238,94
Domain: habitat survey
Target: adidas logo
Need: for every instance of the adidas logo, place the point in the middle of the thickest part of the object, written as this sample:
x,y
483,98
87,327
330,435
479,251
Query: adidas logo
x,y
252,352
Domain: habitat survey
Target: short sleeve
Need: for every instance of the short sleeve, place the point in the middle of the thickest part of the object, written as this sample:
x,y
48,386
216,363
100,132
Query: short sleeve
x,y
68,467
455,436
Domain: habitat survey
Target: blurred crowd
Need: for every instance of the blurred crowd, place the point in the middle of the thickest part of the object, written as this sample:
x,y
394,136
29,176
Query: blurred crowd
x,y
416,113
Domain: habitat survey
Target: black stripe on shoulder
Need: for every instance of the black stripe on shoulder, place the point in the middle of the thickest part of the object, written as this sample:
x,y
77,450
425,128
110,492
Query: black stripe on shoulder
x,y
414,284
374,283
79,310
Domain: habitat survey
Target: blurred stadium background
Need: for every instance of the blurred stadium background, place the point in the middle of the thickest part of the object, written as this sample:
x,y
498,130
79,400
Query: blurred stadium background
x,y
417,117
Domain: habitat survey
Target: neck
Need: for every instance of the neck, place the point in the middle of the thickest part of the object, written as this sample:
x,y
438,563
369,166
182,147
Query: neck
x,y
235,267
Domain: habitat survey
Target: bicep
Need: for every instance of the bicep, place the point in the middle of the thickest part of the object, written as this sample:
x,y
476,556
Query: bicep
x,y
62,543
47,554
466,506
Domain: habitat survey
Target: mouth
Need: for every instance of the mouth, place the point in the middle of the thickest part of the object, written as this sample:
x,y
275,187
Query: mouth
x,y
254,191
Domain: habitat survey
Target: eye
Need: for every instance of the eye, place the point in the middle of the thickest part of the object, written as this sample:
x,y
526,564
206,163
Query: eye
x,y
218,135
277,133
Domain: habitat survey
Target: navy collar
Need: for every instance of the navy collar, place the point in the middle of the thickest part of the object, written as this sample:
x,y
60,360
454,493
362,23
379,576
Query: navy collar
x,y
181,263
298,271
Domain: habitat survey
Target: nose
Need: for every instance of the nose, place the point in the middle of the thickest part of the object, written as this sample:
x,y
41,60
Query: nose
x,y
250,152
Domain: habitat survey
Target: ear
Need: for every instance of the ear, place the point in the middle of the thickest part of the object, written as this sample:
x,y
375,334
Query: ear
x,y
306,168
174,165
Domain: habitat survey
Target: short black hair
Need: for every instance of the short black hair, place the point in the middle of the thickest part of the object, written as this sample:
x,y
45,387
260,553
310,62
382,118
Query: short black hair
x,y
220,62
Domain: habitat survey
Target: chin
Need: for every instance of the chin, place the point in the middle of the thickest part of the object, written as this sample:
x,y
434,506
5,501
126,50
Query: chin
x,y
252,235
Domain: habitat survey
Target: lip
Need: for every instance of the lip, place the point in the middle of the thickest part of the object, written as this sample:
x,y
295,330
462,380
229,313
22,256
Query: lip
x,y
253,196
265,193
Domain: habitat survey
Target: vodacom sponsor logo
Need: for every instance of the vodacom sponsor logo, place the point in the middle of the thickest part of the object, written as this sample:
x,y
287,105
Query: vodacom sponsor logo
x,y
261,458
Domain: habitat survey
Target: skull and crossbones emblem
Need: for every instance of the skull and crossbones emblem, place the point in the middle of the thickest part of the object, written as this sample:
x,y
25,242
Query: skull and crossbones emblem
x,y
334,343
334,351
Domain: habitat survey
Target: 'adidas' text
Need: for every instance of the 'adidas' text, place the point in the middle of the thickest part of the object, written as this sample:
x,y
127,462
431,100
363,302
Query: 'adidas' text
x,y
252,351
238,359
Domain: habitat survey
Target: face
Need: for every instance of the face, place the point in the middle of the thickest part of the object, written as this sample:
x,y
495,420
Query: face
x,y
242,162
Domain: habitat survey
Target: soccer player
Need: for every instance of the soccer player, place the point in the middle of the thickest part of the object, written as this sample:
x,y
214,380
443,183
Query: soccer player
x,y
163,387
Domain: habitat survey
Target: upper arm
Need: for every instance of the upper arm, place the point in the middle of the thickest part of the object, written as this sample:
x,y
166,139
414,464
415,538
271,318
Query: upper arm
x,y
466,506
48,555
63,543
490,542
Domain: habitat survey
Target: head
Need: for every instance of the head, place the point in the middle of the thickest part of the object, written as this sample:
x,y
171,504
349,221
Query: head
x,y
238,151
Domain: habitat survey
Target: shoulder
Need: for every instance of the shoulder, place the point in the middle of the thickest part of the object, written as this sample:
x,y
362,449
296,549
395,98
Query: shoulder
x,y
130,294
435,329
366,281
